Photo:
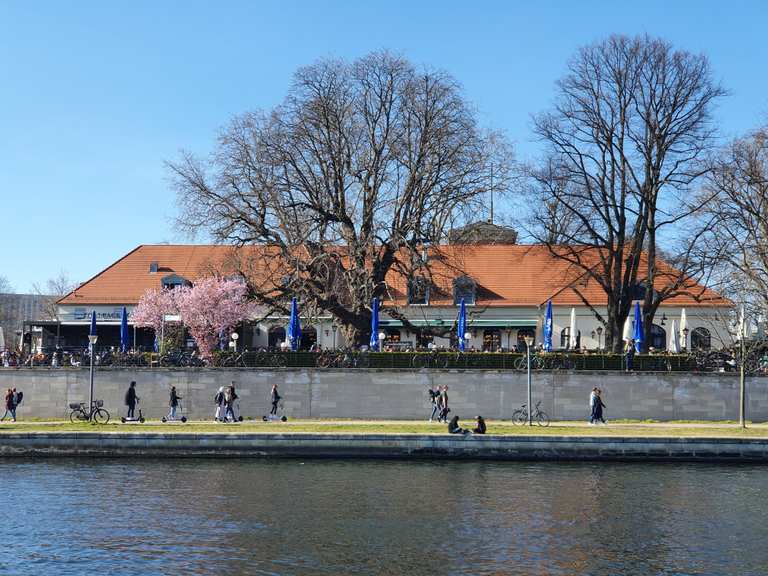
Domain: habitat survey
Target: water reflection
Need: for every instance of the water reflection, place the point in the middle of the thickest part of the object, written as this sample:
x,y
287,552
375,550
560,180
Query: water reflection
x,y
380,517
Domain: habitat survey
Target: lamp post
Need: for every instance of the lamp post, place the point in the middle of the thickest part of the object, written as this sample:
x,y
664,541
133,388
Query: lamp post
x,y
528,341
685,338
599,337
92,338
334,328
381,340
234,337
467,338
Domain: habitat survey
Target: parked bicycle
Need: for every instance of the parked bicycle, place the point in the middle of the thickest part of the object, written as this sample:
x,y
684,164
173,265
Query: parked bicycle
x,y
270,359
342,359
431,359
520,416
544,361
96,414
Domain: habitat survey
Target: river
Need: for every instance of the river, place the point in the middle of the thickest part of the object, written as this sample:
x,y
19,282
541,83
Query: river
x,y
189,516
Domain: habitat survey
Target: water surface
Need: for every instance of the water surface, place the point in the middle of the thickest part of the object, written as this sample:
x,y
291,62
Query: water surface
x,y
67,516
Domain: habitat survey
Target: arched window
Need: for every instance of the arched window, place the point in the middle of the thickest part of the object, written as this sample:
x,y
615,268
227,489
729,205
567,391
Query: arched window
x,y
565,337
701,339
658,338
491,339
276,336
464,287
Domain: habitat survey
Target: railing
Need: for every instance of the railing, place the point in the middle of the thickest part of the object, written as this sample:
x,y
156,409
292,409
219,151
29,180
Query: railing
x,y
699,362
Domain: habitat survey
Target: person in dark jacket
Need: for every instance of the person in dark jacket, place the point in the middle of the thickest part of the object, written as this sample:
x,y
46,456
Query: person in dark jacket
x,y
434,397
275,399
10,405
454,428
173,402
444,409
629,354
597,409
131,399
480,427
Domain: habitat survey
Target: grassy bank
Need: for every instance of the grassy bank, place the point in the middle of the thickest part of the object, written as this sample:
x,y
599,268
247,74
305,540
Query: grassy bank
x,y
623,428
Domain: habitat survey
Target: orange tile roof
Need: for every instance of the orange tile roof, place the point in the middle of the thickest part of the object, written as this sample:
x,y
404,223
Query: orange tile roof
x,y
506,275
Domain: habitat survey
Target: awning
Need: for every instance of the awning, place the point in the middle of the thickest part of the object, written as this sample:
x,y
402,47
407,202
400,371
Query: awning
x,y
478,323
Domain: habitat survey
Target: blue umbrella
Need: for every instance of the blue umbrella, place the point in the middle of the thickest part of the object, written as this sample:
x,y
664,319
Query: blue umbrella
x,y
124,345
374,324
638,335
548,327
462,326
294,326
93,324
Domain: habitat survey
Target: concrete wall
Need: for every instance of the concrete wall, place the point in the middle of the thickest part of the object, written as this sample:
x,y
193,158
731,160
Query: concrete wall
x,y
384,394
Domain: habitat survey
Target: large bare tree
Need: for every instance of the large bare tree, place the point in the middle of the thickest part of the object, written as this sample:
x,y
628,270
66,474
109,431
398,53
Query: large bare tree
x,y
625,142
362,166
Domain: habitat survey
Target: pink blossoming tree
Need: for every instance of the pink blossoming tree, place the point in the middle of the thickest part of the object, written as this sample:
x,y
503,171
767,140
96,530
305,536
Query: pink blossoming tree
x,y
152,306
212,306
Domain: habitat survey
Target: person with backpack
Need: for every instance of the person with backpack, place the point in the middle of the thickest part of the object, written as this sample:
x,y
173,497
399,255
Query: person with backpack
x,y
131,399
10,404
229,402
434,397
218,399
275,399
173,402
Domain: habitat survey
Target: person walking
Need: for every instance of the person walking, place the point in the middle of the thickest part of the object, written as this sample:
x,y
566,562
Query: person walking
x,y
173,402
218,398
598,411
592,398
444,408
434,398
275,399
10,405
229,402
131,399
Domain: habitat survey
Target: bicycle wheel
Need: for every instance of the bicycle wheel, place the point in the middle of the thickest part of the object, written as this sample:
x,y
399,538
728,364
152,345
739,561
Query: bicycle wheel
x,y
419,360
76,416
100,416
519,417
278,361
542,419
521,363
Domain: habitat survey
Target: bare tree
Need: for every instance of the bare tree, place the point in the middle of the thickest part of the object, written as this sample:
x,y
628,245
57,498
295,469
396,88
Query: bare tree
x,y
738,244
625,142
5,285
53,289
360,168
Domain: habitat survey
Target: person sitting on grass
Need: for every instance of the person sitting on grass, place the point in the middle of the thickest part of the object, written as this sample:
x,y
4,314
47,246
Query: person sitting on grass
x,y
480,428
454,428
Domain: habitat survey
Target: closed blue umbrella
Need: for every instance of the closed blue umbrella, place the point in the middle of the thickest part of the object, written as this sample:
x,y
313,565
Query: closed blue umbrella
x,y
294,326
462,326
548,327
124,345
93,324
638,334
374,324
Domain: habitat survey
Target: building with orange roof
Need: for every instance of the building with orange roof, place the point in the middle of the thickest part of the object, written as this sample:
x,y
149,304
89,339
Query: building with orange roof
x,y
505,287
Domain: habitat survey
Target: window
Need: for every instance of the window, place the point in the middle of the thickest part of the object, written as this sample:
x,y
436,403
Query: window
x,y
521,334
658,338
174,281
565,337
153,267
701,339
418,291
464,287
491,340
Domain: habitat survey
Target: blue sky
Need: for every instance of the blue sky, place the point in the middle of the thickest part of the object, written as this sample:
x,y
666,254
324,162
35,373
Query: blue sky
x,y
96,95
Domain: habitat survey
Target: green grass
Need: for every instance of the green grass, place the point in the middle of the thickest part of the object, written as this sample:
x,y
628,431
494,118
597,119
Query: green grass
x,y
626,429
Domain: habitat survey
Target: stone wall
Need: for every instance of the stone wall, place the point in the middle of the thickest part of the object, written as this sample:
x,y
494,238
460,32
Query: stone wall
x,y
389,394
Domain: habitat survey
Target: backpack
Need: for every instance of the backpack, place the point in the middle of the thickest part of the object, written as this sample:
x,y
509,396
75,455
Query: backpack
x,y
19,397
218,397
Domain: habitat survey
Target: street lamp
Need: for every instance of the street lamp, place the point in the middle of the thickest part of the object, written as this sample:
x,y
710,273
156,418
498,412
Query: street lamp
x,y
599,337
234,337
528,341
334,328
92,338
467,338
381,340
685,338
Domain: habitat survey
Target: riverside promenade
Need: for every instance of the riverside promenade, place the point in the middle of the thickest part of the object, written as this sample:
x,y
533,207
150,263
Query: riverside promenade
x,y
568,441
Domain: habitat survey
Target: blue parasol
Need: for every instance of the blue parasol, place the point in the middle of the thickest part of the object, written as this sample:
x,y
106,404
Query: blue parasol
x,y
462,326
638,333
294,326
548,327
374,341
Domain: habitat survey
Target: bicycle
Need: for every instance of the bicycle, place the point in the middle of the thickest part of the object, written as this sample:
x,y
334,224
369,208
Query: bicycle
x,y
433,359
273,360
520,417
96,414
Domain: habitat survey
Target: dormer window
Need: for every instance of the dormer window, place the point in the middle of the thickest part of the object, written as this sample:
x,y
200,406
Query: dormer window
x,y
153,267
466,288
418,291
174,281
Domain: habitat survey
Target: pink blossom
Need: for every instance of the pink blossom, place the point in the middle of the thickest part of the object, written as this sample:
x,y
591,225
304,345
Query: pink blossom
x,y
152,306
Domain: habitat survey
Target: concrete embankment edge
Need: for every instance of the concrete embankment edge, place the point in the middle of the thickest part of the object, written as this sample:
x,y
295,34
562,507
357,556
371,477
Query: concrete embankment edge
x,y
384,446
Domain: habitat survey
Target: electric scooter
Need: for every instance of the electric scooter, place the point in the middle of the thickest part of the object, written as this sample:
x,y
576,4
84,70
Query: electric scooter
x,y
275,417
182,420
134,419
